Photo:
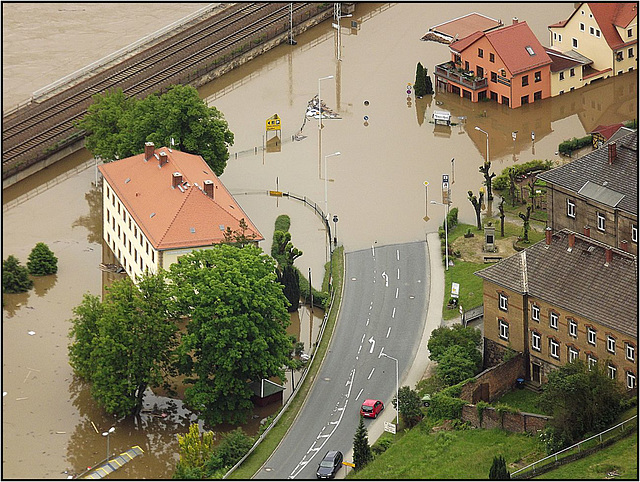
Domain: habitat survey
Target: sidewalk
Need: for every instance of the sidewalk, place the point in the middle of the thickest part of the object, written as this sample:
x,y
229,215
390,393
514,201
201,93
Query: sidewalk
x,y
433,321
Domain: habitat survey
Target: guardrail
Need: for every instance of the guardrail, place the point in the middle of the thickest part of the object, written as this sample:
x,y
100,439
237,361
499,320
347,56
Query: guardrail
x,y
553,458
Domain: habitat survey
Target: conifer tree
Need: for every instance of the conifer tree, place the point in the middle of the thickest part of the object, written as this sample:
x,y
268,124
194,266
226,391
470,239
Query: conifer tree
x,y
361,450
42,261
498,469
15,277
420,86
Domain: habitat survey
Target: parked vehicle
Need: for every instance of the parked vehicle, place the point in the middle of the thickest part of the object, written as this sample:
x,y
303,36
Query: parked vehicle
x,y
330,465
371,408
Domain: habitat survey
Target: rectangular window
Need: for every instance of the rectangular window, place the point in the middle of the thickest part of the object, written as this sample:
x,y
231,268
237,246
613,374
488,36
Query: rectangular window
x,y
591,336
535,341
525,80
559,37
108,238
492,58
503,302
630,52
591,361
592,31
574,43
153,256
597,33
480,53
504,330
553,320
466,65
524,100
630,351
601,223
537,76
612,371
537,95
494,77
581,27
561,75
611,344
629,33
634,233
572,72
555,36
571,208
554,348
113,223
535,312
631,380
573,328
573,354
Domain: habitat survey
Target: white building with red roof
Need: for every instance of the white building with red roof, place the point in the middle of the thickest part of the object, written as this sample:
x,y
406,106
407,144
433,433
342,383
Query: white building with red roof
x,y
163,204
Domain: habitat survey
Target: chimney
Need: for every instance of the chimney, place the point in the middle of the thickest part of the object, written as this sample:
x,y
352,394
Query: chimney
x,y
547,236
587,231
572,241
608,256
163,159
624,245
176,180
514,21
148,150
208,188
612,152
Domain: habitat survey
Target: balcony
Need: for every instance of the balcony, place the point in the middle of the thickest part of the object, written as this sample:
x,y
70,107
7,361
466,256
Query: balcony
x,y
461,77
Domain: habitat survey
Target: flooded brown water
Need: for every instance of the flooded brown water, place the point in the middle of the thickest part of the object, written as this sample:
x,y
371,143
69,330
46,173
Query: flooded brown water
x,y
376,187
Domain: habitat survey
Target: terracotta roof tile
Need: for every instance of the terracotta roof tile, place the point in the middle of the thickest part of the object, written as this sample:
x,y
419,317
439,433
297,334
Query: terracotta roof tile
x,y
511,43
607,131
612,15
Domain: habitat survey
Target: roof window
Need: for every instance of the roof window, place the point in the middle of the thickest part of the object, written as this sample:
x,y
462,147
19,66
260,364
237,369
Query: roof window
x,y
530,50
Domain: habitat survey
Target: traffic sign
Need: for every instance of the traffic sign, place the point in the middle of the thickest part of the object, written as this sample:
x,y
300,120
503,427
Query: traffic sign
x,y
273,123
390,427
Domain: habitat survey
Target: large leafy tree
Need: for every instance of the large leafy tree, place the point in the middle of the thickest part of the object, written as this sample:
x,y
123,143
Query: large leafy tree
x,y
409,406
118,126
15,277
125,344
466,337
455,365
42,261
236,331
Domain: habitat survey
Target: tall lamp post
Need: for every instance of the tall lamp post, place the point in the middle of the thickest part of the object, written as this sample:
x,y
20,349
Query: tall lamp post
x,y
486,134
326,202
397,400
320,120
446,232
106,434
335,231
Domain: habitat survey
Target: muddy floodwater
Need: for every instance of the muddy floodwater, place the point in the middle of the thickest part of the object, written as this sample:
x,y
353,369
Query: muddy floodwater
x,y
375,186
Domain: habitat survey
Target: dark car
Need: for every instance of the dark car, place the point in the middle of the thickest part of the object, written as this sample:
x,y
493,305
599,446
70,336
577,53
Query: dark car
x,y
329,465
371,408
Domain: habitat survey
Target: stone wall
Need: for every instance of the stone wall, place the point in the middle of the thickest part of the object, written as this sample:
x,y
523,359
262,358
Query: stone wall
x,y
495,381
513,422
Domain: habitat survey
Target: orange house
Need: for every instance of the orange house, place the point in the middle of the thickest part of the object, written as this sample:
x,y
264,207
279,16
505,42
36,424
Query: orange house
x,y
507,65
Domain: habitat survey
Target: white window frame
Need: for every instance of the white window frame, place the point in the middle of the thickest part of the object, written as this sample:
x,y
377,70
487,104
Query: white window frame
x,y
581,27
574,42
597,33
535,340
592,30
559,37
573,328
503,302
630,351
573,354
591,361
554,349
634,233
612,371
611,344
601,222
553,320
591,333
571,207
535,312
631,380
561,76
503,327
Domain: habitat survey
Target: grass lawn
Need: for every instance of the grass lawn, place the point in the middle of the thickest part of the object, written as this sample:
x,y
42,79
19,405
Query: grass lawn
x,y
621,457
524,400
457,454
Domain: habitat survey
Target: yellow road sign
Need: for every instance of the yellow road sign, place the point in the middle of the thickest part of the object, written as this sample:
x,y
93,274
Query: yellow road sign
x,y
273,123
275,193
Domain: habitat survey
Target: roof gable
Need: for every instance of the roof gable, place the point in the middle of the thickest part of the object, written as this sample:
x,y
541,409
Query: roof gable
x,y
612,15
518,47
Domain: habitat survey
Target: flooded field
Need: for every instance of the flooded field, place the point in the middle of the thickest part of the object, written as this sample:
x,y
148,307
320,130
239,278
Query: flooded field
x,y
375,186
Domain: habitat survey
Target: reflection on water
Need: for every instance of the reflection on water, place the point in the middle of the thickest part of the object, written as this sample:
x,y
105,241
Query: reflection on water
x,y
92,221
12,302
42,284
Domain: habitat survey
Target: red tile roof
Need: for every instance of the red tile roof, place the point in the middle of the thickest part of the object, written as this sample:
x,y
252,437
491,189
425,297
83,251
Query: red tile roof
x,y
612,15
607,131
170,217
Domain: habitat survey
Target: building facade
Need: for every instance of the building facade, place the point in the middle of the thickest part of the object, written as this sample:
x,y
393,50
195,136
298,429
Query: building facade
x,y
598,194
567,297
163,204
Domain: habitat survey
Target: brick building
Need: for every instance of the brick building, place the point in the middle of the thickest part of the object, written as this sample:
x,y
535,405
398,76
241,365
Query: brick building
x,y
567,297
598,194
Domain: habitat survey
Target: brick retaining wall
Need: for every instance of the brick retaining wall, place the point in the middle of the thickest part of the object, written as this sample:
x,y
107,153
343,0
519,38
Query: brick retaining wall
x,y
495,381
513,422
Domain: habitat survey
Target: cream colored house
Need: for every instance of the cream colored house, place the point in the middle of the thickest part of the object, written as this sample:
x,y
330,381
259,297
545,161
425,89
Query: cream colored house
x,y
605,33
163,204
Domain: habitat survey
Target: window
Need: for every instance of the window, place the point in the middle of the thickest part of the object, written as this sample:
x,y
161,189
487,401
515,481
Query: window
x,y
537,95
630,351
612,371
525,80
480,53
555,36
503,302
535,340
619,56
591,336
524,100
492,58
466,65
559,37
537,76
529,50
592,31
631,380
611,344
574,43
601,220
630,52
571,208
494,77
572,72
553,320
503,72
561,75
597,33
581,27
153,256
573,328
573,354
629,33
591,361
535,312
554,348
504,329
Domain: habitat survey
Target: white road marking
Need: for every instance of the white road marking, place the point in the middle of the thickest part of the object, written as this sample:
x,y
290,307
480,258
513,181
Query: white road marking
x,y
372,370
381,352
386,278
360,393
359,348
373,251
397,292
373,344
393,315
398,273
398,254
363,335
367,321
388,331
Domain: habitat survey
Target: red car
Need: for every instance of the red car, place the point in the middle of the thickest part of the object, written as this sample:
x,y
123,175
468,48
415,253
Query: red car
x,y
371,408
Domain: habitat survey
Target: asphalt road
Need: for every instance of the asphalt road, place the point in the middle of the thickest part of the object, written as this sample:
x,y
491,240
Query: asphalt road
x,y
383,310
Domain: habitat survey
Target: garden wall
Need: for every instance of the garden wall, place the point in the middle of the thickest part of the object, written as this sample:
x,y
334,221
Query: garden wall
x,y
493,382
513,422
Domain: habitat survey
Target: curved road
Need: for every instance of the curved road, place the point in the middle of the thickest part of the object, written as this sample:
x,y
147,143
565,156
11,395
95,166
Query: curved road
x,y
383,310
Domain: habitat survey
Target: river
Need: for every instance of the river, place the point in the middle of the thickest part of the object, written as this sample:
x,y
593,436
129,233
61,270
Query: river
x,y
375,186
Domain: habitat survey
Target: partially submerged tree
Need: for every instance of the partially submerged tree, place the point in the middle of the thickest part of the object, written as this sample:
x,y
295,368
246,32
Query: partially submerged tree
x,y
15,277
512,185
476,206
501,209
361,450
484,169
420,86
42,261
525,222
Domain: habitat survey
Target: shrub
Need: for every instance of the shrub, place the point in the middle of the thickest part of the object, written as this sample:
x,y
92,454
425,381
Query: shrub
x,y
15,277
501,182
42,261
444,407
498,469
567,147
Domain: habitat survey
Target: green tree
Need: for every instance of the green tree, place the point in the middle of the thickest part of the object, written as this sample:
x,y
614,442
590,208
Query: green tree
x,y
420,86
458,335
195,451
133,338
236,332
285,253
455,365
498,469
42,261
410,404
361,450
119,126
239,237
581,399
232,447
428,82
15,277
525,224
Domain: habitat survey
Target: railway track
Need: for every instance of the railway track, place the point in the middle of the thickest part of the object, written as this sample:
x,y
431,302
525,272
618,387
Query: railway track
x,y
29,132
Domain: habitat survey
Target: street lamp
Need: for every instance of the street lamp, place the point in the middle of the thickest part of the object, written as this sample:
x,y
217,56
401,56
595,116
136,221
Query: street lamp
x,y
326,202
106,434
486,134
397,399
335,231
446,233
320,119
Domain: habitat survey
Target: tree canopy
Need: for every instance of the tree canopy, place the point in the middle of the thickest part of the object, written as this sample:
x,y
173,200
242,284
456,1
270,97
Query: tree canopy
x,y
42,261
15,277
361,450
236,331
118,126
410,404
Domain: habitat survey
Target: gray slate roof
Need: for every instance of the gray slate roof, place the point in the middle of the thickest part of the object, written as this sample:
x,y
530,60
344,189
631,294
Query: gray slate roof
x,y
577,281
620,177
